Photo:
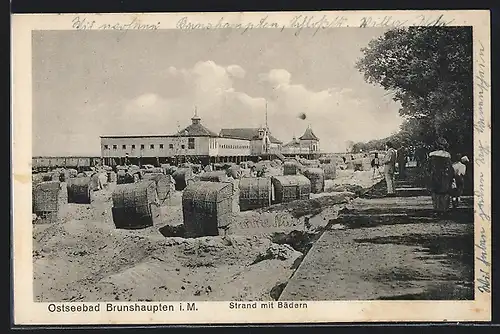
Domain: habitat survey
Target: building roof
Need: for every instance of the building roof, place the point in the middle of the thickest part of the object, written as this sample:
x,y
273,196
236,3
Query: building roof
x,y
196,130
293,143
246,133
309,135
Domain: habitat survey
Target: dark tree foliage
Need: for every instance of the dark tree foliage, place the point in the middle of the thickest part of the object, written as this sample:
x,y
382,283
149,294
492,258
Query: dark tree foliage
x,y
429,71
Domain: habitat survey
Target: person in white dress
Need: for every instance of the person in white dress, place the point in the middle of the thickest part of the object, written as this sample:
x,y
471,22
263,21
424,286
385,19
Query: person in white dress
x,y
459,168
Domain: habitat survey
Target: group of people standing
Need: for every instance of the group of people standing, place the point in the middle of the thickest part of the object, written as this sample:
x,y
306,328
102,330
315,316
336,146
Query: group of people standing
x,y
444,174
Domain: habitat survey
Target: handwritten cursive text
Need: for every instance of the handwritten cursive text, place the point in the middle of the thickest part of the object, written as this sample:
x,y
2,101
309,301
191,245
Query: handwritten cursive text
x,y
483,87
483,152
300,22
484,284
79,23
480,200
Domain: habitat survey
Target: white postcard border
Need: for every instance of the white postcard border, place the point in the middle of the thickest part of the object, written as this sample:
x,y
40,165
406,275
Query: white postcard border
x,y
28,312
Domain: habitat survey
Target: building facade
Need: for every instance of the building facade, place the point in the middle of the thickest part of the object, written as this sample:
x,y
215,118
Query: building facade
x,y
306,145
262,143
197,144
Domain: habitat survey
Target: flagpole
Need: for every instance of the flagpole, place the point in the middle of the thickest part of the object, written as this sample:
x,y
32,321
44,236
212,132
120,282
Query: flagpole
x,y
266,134
266,116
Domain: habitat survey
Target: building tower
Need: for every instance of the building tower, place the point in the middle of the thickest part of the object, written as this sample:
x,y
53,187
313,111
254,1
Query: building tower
x,y
265,134
195,119
309,141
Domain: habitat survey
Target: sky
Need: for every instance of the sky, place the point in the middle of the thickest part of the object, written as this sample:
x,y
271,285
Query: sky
x,y
92,83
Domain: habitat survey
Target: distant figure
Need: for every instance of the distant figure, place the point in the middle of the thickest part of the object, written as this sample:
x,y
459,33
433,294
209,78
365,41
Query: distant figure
x,y
344,158
375,164
401,157
253,171
352,157
262,172
420,155
103,180
171,184
457,186
390,167
440,176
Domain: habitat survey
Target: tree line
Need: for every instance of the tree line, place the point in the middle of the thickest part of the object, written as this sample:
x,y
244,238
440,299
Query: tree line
x,y
428,70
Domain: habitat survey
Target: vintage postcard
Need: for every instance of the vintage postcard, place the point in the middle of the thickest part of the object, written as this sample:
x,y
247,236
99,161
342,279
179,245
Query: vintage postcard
x,y
278,167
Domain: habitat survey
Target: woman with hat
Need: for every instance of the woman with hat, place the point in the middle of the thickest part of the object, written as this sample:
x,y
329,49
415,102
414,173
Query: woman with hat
x,y
440,176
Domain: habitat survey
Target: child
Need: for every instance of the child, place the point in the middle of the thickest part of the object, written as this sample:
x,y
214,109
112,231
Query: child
x,y
457,187
375,164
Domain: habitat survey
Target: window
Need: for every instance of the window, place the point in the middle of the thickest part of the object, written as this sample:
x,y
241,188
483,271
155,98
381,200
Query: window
x,y
183,146
133,146
124,147
152,146
114,147
106,147
170,146
142,146
161,146
191,143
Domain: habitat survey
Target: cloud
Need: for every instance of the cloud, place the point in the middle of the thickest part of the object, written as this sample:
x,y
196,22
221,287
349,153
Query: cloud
x,y
146,100
276,77
236,71
335,114
207,87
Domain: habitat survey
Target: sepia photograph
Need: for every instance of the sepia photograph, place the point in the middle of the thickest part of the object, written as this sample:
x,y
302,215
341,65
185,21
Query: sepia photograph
x,y
265,168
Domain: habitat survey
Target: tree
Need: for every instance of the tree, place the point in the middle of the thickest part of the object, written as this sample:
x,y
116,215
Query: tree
x,y
429,71
349,144
358,147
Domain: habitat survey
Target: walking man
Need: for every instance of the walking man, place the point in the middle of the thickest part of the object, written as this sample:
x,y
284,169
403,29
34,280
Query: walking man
x,y
390,167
